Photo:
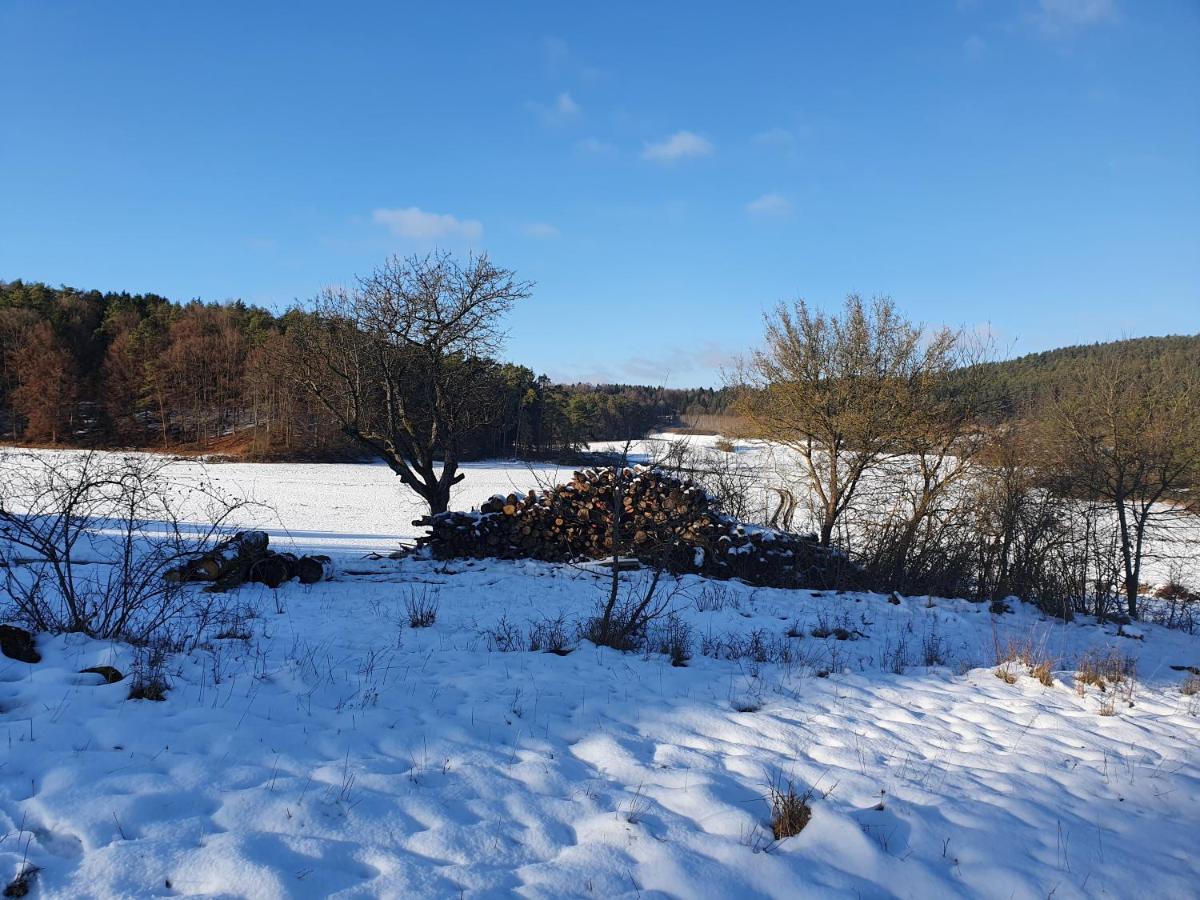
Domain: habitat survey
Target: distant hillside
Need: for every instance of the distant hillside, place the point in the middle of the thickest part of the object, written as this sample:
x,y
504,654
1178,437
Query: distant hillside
x,y
1014,385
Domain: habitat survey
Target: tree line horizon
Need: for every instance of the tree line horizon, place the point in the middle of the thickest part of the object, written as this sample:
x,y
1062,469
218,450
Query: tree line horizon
x,y
109,369
112,369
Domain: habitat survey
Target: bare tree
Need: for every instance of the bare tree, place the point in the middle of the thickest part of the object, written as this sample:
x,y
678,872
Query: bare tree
x,y
402,362
1129,437
840,392
917,516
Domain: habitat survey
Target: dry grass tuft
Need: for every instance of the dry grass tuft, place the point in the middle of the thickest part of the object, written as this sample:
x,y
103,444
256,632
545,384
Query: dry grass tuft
x,y
1104,670
1113,673
1043,673
790,811
1013,654
23,883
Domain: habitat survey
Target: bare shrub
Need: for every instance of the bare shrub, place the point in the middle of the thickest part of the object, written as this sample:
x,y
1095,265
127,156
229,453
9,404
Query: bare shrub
x,y
505,637
673,637
421,606
712,598
1176,605
550,636
148,679
933,646
1191,685
621,618
86,538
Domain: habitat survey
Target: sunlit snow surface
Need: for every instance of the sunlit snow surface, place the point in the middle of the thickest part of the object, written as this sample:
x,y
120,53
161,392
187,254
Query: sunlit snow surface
x,y
338,752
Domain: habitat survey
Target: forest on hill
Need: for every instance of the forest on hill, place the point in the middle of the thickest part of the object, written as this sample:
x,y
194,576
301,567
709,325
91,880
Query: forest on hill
x,y
1012,387
94,369
114,369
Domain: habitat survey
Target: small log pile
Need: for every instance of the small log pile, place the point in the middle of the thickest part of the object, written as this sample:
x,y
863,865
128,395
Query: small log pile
x,y
664,521
245,557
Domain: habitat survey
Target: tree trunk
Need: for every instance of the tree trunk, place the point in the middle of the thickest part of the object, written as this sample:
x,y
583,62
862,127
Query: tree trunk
x,y
1128,560
827,523
438,499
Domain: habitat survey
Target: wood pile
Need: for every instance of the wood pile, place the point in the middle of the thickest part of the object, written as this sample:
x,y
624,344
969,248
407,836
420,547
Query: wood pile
x,y
245,557
663,521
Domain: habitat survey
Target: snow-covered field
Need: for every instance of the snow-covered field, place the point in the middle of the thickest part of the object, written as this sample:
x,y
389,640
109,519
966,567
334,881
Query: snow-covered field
x,y
325,748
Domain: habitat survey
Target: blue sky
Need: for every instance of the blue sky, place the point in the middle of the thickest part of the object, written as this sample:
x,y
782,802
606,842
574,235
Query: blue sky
x,y
664,172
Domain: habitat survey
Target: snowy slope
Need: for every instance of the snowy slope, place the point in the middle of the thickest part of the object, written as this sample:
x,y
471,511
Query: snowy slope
x,y
338,752
316,745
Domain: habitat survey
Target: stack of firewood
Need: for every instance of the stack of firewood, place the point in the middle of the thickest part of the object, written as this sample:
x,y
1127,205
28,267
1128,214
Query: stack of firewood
x,y
245,557
662,521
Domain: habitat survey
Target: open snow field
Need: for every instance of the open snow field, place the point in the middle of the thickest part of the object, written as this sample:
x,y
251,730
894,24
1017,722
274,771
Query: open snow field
x,y
322,747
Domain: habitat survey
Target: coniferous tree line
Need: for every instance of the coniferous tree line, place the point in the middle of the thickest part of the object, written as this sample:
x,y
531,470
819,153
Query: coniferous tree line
x,y
107,369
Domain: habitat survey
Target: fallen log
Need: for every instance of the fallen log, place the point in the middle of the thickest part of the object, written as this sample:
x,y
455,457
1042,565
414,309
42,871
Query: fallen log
x,y
246,557
235,553
312,569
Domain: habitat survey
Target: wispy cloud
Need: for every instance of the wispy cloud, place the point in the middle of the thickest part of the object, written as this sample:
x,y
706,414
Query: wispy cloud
x,y
1055,18
680,145
595,146
563,109
564,105
416,224
543,231
769,206
562,62
672,367
676,363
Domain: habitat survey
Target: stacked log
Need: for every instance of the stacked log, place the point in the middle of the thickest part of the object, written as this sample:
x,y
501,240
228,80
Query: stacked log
x,y
246,557
663,521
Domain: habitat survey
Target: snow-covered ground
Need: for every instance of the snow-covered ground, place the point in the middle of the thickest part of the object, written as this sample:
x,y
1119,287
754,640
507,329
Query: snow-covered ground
x,y
323,747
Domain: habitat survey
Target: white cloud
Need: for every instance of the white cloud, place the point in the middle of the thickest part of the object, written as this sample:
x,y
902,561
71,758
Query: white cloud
x,y
679,145
769,205
417,224
1058,17
543,231
596,146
